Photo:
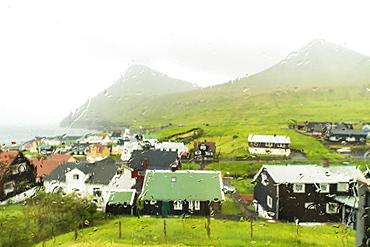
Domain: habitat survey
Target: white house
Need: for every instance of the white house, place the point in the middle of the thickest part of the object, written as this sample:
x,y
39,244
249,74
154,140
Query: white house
x,y
269,144
94,180
172,146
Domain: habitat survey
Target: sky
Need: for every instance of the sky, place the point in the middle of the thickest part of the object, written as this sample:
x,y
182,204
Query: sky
x,y
55,55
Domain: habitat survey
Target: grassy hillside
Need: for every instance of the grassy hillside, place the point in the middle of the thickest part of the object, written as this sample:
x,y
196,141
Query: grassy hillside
x,y
192,232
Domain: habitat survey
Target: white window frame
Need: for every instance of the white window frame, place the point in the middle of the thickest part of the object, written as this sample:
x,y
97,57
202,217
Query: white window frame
x,y
299,190
269,201
309,205
329,209
177,205
194,205
9,190
327,190
340,189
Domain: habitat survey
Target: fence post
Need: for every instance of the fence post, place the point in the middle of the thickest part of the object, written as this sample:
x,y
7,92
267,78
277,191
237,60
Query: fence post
x,y
119,229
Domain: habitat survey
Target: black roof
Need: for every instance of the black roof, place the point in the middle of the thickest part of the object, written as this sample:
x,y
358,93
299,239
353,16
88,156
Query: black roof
x,y
157,159
101,172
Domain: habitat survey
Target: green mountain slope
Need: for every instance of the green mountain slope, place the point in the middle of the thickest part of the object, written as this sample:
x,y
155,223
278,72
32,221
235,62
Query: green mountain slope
x,y
321,82
128,95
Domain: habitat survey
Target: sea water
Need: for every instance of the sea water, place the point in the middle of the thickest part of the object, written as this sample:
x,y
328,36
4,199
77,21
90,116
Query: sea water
x,y
23,133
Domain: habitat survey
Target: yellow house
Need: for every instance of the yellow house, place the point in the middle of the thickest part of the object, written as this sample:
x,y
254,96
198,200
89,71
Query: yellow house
x,y
96,152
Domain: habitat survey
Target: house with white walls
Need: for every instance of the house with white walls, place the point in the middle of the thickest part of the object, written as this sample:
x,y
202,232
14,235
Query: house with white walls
x,y
93,180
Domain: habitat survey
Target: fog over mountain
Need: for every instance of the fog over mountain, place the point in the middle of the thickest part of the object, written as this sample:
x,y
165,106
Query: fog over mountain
x,y
143,92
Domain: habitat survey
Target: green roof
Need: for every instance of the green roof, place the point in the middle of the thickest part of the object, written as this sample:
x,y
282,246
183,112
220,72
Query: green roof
x,y
121,197
182,185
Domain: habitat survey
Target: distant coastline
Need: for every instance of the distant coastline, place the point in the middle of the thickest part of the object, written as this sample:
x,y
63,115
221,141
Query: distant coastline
x,y
21,134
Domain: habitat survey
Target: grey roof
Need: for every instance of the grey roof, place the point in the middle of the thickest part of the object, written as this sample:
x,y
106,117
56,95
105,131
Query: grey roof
x,y
348,200
309,174
101,171
157,159
348,132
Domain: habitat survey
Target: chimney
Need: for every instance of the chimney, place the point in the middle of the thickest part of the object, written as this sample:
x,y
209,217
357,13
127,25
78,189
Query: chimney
x,y
145,163
324,162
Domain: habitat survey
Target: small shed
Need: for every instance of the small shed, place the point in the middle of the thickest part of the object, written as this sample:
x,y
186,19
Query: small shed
x,y
121,201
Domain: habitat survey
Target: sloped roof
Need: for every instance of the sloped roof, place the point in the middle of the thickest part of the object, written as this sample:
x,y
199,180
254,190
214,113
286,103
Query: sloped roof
x,y
101,171
182,185
157,159
122,196
7,157
309,174
348,132
46,166
269,138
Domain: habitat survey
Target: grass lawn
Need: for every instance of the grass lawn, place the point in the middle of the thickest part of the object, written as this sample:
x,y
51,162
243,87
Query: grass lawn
x,y
148,231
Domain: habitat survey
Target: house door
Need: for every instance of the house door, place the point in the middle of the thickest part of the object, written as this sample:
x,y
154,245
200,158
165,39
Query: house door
x,y
165,208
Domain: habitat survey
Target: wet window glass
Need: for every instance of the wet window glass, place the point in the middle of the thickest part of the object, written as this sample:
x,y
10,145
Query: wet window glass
x,y
165,123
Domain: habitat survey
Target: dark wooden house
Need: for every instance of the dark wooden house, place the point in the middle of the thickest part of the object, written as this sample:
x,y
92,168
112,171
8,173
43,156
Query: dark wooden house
x,y
121,202
142,160
182,192
309,193
350,136
17,174
204,150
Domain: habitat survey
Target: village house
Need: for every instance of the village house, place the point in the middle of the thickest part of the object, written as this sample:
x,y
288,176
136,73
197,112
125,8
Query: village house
x,y
142,160
308,193
350,136
17,174
182,192
45,165
269,144
89,179
204,150
121,201
179,147
96,152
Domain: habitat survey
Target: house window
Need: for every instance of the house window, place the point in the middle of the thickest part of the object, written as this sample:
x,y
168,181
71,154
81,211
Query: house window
x,y
177,205
9,187
264,179
97,192
195,205
332,208
22,167
76,176
15,171
324,188
342,186
119,172
310,205
269,201
299,188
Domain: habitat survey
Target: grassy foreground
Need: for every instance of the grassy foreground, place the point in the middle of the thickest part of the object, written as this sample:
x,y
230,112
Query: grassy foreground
x,y
148,231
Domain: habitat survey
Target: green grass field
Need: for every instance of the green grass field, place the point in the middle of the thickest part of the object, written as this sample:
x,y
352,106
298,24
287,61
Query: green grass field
x,y
149,231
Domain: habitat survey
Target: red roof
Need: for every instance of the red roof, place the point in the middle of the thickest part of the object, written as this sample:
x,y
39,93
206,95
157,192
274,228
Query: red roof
x,y
8,157
46,166
244,197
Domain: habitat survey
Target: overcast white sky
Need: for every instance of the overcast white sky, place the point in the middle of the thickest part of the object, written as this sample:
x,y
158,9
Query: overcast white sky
x,y
54,55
